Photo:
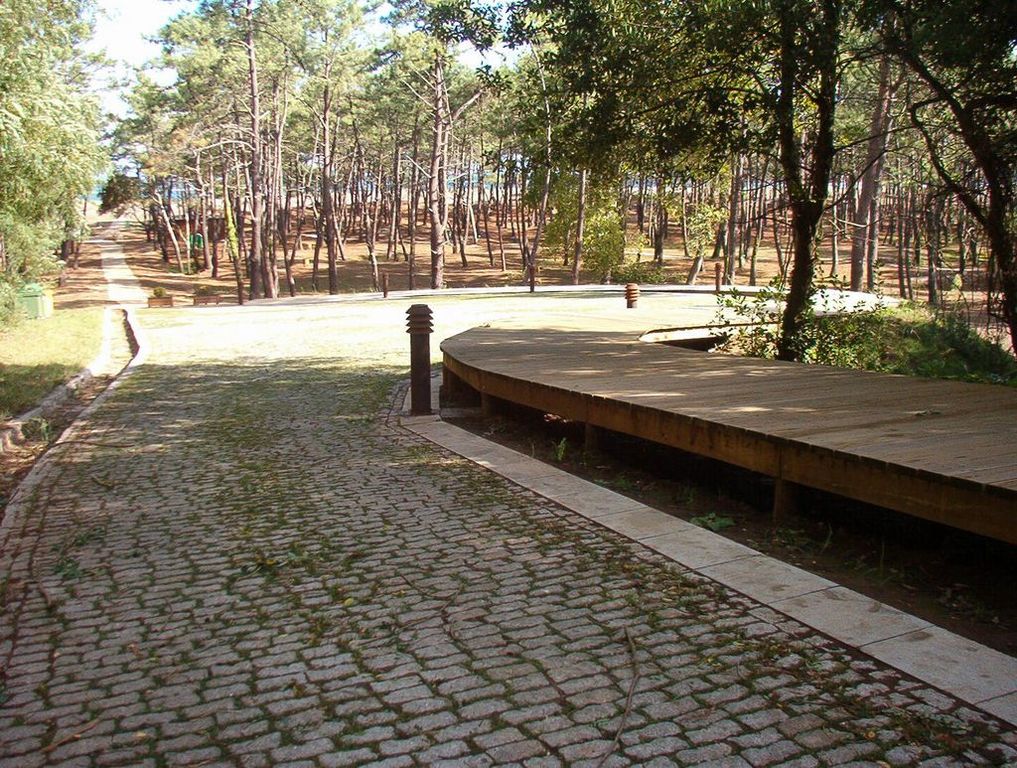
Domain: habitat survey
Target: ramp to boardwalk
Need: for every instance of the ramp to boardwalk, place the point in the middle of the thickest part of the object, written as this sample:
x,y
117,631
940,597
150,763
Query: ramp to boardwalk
x,y
944,451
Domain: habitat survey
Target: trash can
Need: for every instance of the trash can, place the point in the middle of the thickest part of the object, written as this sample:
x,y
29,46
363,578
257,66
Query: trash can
x,y
35,300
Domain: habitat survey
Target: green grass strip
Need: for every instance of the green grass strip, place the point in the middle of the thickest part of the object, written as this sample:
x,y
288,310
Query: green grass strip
x,y
38,355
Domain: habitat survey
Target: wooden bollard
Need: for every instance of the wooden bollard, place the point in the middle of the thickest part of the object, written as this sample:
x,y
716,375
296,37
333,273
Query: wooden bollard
x,y
631,295
716,277
531,276
419,326
384,285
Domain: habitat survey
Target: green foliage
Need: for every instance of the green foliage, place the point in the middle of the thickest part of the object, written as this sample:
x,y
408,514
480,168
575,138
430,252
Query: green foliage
x,y
701,227
30,247
641,272
603,238
9,312
232,243
712,522
752,320
945,347
119,191
906,341
837,337
49,135
963,104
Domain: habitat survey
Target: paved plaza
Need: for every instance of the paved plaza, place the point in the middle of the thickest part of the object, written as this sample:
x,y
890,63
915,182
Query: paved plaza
x,y
242,558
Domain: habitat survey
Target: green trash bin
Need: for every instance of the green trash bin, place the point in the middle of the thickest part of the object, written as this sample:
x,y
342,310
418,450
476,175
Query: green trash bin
x,y
35,300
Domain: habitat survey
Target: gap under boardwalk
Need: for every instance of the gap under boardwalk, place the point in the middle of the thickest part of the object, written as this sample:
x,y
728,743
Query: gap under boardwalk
x,y
940,450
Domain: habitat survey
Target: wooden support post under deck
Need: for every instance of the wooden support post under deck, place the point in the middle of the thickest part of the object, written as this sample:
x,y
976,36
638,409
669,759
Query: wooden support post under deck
x,y
452,386
786,500
591,438
487,404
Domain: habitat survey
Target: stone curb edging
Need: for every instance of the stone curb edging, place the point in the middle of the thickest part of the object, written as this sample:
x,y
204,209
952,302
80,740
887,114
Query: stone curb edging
x,y
11,434
969,671
36,474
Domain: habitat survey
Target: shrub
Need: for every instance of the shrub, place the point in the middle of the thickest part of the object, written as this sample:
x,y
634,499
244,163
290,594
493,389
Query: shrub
x,y
946,347
643,272
908,340
603,236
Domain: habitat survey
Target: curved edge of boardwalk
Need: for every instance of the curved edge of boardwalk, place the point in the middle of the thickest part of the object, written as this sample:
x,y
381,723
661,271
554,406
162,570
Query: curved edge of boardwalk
x,y
940,450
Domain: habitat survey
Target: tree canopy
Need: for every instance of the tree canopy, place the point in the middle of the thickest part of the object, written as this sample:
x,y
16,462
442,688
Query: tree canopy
x,y
50,130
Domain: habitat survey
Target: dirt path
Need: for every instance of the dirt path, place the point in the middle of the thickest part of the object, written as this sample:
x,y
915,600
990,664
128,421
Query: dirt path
x,y
85,285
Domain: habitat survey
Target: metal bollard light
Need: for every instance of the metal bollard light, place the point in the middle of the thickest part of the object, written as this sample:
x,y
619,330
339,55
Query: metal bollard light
x,y
631,295
716,277
419,326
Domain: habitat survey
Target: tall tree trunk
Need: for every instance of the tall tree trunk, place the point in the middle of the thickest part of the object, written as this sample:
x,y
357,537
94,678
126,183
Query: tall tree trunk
x,y
866,230
168,224
577,256
187,231
395,208
734,207
411,220
435,192
546,189
807,200
328,222
232,241
259,271
659,223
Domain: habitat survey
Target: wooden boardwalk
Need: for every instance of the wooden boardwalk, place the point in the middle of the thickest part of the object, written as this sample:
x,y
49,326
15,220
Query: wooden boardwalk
x,y
944,451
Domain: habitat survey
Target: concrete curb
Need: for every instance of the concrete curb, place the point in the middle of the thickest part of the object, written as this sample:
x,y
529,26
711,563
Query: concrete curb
x,y
11,434
37,474
967,670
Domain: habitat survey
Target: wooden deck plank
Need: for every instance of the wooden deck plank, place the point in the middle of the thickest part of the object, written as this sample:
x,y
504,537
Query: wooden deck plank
x,y
942,450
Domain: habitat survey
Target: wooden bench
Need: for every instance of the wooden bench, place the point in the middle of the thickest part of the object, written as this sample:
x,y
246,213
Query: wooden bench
x,y
205,299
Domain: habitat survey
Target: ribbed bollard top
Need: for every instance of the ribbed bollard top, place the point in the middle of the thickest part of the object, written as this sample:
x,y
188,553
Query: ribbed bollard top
x,y
631,295
418,319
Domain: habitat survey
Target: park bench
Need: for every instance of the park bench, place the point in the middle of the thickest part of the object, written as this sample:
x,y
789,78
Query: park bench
x,y
205,299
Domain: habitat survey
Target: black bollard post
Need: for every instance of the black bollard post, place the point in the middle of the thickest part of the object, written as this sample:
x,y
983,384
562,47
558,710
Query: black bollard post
x,y
418,325
384,285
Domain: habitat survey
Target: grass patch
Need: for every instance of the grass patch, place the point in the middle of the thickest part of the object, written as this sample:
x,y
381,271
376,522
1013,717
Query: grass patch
x,y
912,342
38,355
942,347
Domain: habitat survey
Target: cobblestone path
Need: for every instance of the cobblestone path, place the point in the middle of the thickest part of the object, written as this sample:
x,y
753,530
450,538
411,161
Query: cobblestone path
x,y
241,559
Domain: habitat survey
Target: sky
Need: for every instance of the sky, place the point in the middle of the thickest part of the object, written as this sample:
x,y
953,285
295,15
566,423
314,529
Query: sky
x,y
121,29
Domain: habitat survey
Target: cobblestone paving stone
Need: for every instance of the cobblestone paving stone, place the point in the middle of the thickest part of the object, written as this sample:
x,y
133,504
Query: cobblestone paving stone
x,y
242,560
